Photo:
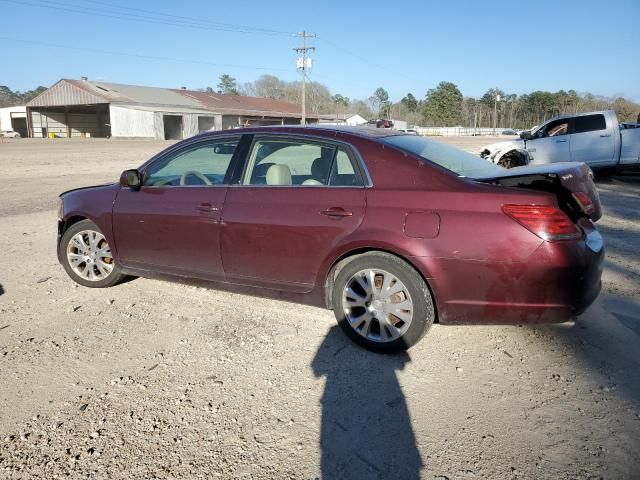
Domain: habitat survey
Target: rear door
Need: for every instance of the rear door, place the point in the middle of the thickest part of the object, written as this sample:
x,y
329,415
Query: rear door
x,y
172,223
592,141
630,147
552,143
296,199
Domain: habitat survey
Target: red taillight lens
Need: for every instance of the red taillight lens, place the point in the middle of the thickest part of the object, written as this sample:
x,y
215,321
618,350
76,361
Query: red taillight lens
x,y
584,201
549,223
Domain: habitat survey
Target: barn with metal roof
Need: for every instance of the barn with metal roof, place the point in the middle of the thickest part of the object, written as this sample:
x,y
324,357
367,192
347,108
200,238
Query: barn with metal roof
x,y
83,108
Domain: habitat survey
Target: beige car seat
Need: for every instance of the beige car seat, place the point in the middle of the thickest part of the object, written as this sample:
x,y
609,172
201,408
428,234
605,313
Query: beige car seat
x,y
319,172
279,175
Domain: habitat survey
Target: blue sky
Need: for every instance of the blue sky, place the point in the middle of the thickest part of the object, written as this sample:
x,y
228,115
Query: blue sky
x,y
406,46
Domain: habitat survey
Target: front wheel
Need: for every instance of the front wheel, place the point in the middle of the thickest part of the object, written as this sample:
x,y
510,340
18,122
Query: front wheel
x,y
86,256
382,303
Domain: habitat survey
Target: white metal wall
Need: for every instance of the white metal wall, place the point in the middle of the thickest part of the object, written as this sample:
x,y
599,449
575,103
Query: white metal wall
x,y
6,114
129,122
189,125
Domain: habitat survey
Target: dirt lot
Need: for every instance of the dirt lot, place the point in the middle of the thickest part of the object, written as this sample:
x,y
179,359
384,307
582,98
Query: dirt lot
x,y
152,379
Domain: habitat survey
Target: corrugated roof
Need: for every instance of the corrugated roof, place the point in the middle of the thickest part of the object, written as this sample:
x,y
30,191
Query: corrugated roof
x,y
82,92
144,95
162,108
66,92
232,104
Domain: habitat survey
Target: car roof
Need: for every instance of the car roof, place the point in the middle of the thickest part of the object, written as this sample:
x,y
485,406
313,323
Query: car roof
x,y
324,130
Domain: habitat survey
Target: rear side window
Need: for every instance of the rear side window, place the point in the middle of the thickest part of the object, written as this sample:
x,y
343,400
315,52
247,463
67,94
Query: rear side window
x,y
589,123
289,162
283,162
343,173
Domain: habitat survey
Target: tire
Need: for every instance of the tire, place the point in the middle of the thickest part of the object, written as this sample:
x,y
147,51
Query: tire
x,y
91,268
367,317
511,161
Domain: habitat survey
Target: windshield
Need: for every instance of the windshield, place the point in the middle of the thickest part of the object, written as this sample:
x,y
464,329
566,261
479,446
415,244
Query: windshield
x,y
458,161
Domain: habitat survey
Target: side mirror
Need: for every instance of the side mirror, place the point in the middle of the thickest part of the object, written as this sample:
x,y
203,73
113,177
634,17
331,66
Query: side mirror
x,y
526,135
131,178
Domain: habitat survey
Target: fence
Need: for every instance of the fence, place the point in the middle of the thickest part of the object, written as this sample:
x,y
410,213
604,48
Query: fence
x,y
458,131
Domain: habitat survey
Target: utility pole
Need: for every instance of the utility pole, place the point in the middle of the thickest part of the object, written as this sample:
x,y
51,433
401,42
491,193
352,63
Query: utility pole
x,y
303,63
495,112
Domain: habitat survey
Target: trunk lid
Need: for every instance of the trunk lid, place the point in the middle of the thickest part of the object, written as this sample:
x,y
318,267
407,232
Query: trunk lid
x,y
571,182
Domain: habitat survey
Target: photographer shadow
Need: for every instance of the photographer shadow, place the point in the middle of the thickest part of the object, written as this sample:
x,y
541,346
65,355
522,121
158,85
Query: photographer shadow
x,y
366,427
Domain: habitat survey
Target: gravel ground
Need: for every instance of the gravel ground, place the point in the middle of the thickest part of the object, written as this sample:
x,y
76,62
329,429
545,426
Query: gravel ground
x,y
152,379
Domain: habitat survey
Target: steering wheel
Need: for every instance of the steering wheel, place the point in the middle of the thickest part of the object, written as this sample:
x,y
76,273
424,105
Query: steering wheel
x,y
195,174
162,181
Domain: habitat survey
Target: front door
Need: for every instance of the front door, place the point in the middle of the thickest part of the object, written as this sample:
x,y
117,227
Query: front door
x,y
296,200
172,223
552,143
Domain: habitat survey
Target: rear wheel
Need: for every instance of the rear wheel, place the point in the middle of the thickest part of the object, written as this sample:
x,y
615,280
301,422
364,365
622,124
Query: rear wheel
x,y
382,303
86,256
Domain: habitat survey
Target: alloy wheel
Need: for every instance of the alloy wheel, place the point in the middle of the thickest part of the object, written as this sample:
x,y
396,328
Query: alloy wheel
x,y
89,256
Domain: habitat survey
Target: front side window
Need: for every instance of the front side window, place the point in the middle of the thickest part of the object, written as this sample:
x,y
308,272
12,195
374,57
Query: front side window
x,y
293,162
556,128
202,164
589,123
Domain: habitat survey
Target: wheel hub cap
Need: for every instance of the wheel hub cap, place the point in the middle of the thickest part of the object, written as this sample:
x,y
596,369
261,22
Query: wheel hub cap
x,y
377,305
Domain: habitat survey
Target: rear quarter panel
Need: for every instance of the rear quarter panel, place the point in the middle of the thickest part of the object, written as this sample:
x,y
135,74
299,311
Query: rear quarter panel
x,y
477,253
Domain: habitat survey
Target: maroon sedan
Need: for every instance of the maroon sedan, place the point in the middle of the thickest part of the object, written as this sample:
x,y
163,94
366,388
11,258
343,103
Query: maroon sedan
x,y
391,231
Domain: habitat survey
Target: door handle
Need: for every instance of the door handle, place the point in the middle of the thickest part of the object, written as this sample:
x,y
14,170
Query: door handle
x,y
206,208
561,141
605,135
336,212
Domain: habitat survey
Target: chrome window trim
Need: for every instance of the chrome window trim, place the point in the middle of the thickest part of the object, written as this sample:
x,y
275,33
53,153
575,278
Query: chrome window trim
x,y
144,187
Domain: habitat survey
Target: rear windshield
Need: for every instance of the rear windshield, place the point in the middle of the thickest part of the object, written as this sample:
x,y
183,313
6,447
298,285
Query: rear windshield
x,y
457,161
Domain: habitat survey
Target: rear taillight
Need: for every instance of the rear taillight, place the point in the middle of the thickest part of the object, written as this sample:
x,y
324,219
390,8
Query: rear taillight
x,y
549,223
584,201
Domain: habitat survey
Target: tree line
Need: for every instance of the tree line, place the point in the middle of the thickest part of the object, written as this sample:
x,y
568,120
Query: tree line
x,y
10,98
442,106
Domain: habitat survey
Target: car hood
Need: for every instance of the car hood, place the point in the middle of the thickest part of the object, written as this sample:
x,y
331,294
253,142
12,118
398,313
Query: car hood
x,y
86,188
494,148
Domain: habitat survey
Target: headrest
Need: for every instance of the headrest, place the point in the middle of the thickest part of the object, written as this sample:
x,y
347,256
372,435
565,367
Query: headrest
x,y
279,175
320,169
311,181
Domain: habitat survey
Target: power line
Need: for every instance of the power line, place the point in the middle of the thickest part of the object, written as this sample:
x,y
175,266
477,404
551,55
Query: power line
x,y
151,57
126,13
159,18
192,19
184,22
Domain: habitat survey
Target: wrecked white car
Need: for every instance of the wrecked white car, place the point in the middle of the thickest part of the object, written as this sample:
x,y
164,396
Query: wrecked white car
x,y
594,138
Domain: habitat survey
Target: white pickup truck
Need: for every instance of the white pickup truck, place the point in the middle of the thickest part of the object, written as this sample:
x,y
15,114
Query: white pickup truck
x,y
594,138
